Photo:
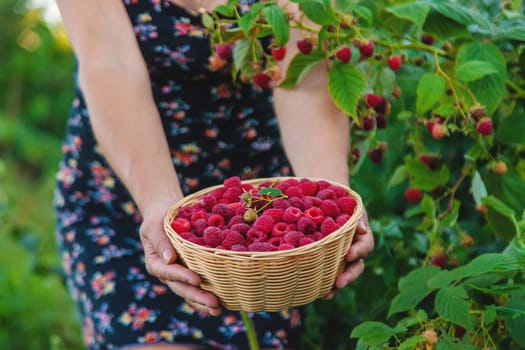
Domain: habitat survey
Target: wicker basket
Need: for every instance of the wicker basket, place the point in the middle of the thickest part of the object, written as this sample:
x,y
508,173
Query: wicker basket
x,y
266,281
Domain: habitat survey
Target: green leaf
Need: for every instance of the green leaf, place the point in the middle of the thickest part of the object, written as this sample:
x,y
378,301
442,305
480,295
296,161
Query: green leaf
x,y
490,89
424,178
489,316
479,190
501,218
421,316
278,21
362,12
514,33
487,263
452,218
460,14
372,333
400,175
241,53
225,10
346,85
415,12
452,305
474,70
247,21
444,27
319,13
413,289
299,68
412,342
516,325
430,89
270,191
207,20
509,188
510,129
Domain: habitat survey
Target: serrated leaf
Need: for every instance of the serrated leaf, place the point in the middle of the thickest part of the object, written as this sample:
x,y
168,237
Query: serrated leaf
x,y
415,12
451,304
516,325
225,10
501,218
246,22
514,33
270,191
474,70
460,14
362,12
487,263
278,21
413,289
510,129
424,178
430,89
241,52
346,85
318,12
400,175
299,68
412,342
421,316
372,333
479,190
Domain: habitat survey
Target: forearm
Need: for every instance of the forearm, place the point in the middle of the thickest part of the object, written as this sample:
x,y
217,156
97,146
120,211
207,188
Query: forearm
x,y
315,133
128,129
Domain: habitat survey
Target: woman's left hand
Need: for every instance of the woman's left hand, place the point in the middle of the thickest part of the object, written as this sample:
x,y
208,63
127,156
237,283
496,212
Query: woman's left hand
x,y
362,245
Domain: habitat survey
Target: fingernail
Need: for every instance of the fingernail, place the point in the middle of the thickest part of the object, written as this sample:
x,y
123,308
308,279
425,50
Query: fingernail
x,y
166,254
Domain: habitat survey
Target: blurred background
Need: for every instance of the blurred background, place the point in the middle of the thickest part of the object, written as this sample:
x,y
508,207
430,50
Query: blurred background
x,y
35,95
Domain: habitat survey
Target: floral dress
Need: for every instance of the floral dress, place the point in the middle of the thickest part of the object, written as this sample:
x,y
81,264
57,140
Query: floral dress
x,y
215,129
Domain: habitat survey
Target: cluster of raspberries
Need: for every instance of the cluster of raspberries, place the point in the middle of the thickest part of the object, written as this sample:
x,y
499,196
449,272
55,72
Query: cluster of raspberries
x,y
305,211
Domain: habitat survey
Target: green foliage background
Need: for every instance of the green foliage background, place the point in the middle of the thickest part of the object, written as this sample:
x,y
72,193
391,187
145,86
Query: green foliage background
x,y
36,311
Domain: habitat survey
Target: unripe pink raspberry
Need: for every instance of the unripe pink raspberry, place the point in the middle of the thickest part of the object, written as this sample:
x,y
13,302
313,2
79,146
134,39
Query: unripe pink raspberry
x,y
439,131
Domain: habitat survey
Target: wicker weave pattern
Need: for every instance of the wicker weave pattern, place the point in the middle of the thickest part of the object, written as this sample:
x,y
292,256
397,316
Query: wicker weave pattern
x,y
266,281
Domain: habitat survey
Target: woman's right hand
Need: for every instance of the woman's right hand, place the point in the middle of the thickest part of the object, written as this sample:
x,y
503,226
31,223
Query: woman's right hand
x,y
161,261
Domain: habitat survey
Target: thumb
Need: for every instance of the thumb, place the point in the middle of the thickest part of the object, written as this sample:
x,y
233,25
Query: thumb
x,y
156,243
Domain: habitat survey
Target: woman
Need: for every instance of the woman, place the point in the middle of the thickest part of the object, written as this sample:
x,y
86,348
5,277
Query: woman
x,y
151,123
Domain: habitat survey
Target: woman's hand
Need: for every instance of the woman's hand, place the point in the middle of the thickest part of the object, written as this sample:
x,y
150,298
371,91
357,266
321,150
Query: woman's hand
x,y
160,259
361,246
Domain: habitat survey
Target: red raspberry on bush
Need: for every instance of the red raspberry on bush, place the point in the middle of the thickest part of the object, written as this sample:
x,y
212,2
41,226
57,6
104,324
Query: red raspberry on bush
x,y
395,62
377,154
305,46
413,195
180,225
381,121
368,123
367,48
484,127
439,131
262,80
374,100
428,39
344,54
279,52
224,51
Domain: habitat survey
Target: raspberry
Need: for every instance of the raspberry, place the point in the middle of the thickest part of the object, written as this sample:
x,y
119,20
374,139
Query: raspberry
x,y
234,181
264,223
342,219
344,54
306,225
428,39
218,192
199,226
279,229
377,154
315,236
224,51
368,123
367,48
347,204
201,214
255,235
315,214
339,191
207,201
311,201
216,62
224,210
213,236
262,80
484,127
236,219
185,212
293,237
323,184
279,52
413,195
500,168
281,204
439,131
296,202
292,182
292,214
275,241
381,121
308,187
240,227
459,331
395,62
439,258
305,240
232,194
276,214
374,100
283,186
260,247
180,225
430,160
187,235
305,46
356,155
328,226
231,238
286,246
326,193
216,220
294,191
238,248
329,208
197,240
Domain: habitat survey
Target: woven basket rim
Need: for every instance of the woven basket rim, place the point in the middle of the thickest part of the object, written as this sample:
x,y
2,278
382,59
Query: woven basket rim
x,y
255,255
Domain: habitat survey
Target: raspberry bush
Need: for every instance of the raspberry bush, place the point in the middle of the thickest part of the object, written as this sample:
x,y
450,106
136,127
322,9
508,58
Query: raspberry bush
x,y
435,91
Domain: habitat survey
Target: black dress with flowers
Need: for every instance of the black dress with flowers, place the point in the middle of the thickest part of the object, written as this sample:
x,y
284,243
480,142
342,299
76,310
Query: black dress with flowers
x,y
215,129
